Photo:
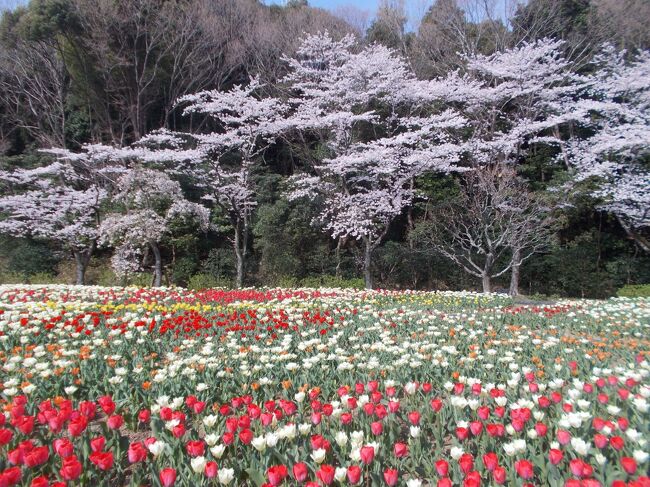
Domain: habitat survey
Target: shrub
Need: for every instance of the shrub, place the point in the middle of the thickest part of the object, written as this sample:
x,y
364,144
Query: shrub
x,y
332,281
634,291
206,281
43,278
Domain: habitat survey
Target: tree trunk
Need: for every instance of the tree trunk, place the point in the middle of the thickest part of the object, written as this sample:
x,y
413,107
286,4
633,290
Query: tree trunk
x,y
339,244
514,276
82,259
80,267
639,239
157,273
487,286
367,257
240,257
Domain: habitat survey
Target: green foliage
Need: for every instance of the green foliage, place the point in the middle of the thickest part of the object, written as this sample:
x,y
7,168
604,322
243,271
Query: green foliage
x,y
207,281
183,269
220,263
288,243
332,281
634,291
27,257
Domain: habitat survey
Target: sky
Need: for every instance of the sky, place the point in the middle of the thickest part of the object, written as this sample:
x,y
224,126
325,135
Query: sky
x,y
415,8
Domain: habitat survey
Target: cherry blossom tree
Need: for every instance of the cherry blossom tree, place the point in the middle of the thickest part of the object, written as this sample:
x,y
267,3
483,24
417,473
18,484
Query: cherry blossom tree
x,y
222,162
360,104
52,203
151,201
617,154
517,98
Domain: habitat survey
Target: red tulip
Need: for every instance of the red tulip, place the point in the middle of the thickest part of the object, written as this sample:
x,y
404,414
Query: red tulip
x,y
472,479
436,405
167,477
137,453
600,440
195,448
466,462
107,404
495,430
211,469
367,454
246,436
354,474
400,450
11,476
442,468
462,433
102,460
97,444
115,422
414,418
380,411
300,472
563,437
476,427
5,435
491,461
37,456
524,469
555,456
63,447
77,426
277,474
166,413
144,416
377,428
179,430
390,476
623,423
541,429
71,469
499,475
629,465
444,482
326,474
579,468
617,442
40,482
483,412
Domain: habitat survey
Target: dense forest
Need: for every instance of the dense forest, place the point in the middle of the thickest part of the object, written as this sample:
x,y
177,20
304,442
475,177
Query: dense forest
x,y
124,94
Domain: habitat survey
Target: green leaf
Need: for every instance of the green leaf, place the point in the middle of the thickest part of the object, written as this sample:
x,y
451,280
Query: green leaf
x,y
256,476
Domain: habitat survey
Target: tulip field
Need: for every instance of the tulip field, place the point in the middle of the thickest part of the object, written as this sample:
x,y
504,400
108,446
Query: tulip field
x,y
305,387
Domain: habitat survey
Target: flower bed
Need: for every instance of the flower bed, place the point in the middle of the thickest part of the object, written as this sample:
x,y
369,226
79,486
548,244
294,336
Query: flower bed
x,y
131,386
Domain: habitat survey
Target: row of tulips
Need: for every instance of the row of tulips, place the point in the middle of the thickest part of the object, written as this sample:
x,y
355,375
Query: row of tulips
x,y
320,387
